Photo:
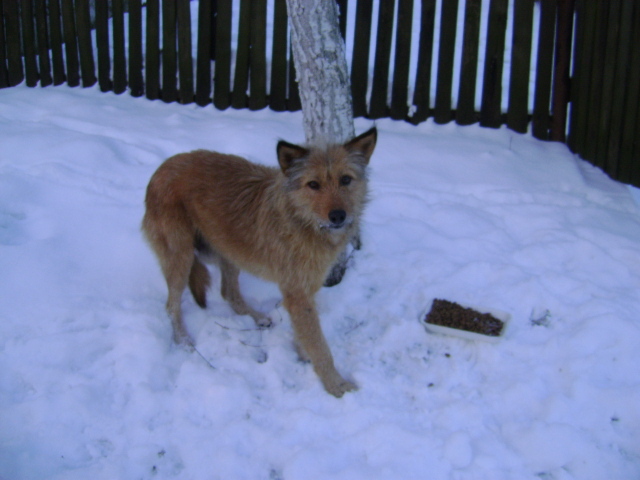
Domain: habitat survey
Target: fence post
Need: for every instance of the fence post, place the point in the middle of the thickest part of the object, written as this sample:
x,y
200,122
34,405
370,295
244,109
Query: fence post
x,y
518,110
360,57
422,95
278,93
83,23
55,32
241,81
544,70
28,44
152,67
447,50
4,73
491,113
466,107
70,43
136,61
169,52
43,43
629,170
119,51
258,53
222,75
185,54
399,89
12,42
563,62
102,44
206,47
378,106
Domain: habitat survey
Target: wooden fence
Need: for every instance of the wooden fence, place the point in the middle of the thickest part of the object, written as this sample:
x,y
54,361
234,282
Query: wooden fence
x,y
586,89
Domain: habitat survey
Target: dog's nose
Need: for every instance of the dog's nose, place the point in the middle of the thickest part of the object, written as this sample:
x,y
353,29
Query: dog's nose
x,y
337,217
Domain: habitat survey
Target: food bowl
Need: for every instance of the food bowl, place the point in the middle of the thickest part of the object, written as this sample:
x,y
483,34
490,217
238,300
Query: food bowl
x,y
465,321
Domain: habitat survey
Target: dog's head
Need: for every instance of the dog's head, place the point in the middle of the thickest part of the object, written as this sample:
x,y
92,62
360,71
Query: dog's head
x,y
328,186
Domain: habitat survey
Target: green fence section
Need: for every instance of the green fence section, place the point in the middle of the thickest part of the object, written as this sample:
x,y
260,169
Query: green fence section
x,y
586,89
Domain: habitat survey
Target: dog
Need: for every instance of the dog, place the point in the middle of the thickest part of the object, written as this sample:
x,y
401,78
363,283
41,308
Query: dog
x,y
287,225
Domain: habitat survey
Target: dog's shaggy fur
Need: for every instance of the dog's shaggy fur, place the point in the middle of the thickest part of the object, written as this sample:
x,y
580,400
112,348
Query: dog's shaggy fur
x,y
287,225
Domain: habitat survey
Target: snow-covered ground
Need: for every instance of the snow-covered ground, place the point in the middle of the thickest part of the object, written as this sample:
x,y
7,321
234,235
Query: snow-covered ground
x,y
91,388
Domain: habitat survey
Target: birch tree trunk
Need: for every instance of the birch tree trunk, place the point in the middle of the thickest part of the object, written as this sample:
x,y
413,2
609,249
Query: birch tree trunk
x,y
322,72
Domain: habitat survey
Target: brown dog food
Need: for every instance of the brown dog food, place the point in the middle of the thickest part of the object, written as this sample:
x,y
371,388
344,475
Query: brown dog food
x,y
452,315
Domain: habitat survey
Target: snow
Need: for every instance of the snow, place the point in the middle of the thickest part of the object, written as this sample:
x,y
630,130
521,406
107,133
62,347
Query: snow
x,y
91,386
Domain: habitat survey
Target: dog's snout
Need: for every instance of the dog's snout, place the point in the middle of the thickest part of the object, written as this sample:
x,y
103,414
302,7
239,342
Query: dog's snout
x,y
337,217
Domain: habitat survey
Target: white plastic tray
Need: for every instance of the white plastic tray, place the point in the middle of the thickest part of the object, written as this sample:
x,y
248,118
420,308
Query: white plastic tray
x,y
467,335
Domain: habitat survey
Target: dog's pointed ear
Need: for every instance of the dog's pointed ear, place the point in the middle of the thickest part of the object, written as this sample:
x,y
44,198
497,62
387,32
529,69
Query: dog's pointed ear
x,y
288,153
364,144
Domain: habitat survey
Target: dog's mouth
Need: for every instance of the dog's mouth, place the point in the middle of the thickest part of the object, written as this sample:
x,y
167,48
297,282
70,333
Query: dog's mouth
x,y
335,226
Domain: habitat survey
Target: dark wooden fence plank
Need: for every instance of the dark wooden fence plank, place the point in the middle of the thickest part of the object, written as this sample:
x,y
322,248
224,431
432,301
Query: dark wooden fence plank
x,y
491,109
258,55
619,88
562,67
169,52
185,57
152,67
378,105
222,75
136,81
85,47
42,33
214,14
55,31
241,81
586,24
400,87
422,93
608,85
541,118
466,108
4,72
278,91
629,167
342,12
444,82
12,42
518,110
204,54
293,100
102,45
29,44
119,48
598,53
360,62
70,43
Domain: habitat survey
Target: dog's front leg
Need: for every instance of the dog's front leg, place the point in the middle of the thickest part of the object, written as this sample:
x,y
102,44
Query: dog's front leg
x,y
311,341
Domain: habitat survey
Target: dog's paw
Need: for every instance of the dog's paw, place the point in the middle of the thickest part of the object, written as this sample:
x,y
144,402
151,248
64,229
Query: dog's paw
x,y
340,387
184,341
336,274
263,321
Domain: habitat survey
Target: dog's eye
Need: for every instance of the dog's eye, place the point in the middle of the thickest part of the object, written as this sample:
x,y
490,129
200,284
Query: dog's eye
x,y
345,180
313,185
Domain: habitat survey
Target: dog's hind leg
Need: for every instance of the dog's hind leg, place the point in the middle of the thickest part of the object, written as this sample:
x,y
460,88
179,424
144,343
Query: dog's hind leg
x,y
175,253
230,289
177,271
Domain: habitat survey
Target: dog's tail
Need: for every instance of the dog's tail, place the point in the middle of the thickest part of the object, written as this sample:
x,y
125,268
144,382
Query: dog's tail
x,y
199,282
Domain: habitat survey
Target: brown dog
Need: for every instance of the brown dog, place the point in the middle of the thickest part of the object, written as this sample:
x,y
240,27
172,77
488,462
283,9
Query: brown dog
x,y
286,225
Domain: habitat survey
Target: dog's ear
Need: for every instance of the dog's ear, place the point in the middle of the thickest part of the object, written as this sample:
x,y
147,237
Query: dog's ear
x,y
288,153
363,144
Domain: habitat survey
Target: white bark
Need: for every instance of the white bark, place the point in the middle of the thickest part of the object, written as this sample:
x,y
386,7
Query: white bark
x,y
322,72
